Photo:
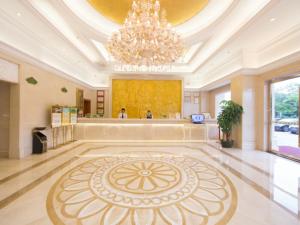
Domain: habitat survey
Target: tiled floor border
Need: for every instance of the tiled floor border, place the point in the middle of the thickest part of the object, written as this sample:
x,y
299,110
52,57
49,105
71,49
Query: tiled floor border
x,y
248,181
32,185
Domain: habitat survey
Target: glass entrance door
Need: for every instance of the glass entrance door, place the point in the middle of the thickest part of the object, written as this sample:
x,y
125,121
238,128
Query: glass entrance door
x,y
285,117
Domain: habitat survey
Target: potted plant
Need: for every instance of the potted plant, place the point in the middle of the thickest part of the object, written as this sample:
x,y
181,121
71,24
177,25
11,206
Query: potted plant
x,y
230,116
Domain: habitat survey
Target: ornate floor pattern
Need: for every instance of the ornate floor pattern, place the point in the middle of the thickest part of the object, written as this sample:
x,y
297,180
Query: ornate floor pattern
x,y
142,189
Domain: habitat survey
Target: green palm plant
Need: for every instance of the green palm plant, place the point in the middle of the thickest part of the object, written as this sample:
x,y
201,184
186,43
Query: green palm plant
x,y
230,116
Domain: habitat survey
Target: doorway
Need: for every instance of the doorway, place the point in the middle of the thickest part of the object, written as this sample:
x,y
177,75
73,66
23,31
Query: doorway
x,y
284,133
87,107
4,118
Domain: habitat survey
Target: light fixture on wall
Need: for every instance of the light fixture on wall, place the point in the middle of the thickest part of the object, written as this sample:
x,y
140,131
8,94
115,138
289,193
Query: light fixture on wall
x,y
146,38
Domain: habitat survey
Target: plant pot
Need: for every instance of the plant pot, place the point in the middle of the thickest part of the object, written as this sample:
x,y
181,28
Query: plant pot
x,y
227,144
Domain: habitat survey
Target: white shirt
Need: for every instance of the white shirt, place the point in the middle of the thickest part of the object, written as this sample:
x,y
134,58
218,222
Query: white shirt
x,y
122,115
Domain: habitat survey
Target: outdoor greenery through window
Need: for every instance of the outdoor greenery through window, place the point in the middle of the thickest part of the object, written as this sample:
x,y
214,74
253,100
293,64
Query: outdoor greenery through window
x,y
286,98
225,96
285,117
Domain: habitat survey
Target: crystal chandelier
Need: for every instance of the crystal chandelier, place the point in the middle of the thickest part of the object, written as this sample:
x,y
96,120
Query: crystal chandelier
x,y
146,38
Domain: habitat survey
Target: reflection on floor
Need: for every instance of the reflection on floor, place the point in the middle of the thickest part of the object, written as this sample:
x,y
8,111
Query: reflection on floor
x,y
96,183
290,151
286,144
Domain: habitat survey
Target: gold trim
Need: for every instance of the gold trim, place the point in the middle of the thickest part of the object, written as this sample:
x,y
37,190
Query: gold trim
x,y
254,185
257,168
6,201
178,11
243,161
114,176
57,190
14,175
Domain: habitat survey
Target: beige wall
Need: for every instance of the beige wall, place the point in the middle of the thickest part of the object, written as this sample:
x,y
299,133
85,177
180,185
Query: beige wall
x,y
33,103
4,118
212,95
190,107
14,123
36,100
204,101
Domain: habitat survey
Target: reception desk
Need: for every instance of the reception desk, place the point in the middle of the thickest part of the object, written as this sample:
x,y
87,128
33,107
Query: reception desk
x,y
145,130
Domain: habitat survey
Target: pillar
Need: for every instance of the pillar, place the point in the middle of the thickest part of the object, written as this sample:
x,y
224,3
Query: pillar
x,y
243,90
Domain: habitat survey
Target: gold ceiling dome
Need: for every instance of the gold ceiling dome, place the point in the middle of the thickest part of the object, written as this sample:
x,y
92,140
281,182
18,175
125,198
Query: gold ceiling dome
x,y
146,37
178,11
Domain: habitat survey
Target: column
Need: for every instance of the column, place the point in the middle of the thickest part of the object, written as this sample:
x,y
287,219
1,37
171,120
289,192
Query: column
x,y
243,92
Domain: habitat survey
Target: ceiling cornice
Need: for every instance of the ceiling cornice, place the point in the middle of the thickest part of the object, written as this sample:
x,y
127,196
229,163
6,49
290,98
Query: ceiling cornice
x,y
20,57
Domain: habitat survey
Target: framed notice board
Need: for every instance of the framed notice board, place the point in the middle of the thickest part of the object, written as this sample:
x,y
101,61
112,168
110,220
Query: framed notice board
x,y
100,102
79,101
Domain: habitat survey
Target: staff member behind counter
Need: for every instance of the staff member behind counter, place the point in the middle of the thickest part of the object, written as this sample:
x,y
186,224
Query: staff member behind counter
x,y
149,115
123,114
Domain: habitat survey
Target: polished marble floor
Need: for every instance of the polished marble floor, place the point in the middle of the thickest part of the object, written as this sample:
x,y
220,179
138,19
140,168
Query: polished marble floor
x,y
165,183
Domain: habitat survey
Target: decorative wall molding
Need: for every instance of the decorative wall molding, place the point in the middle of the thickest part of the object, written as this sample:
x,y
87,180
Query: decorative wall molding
x,y
37,46
21,56
9,71
281,51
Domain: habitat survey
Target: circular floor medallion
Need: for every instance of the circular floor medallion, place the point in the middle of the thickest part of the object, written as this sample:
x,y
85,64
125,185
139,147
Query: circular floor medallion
x,y
145,189
144,177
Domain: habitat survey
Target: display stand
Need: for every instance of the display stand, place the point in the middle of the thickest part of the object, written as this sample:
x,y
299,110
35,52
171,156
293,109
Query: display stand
x,y
62,122
62,131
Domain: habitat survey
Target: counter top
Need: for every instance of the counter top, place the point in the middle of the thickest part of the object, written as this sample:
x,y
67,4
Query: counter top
x,y
140,121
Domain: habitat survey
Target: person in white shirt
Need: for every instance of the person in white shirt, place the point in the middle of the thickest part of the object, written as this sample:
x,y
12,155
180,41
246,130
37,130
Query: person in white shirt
x,y
149,115
123,114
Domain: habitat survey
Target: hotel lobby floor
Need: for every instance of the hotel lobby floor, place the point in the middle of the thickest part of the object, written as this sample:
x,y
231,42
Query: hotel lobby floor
x,y
155,183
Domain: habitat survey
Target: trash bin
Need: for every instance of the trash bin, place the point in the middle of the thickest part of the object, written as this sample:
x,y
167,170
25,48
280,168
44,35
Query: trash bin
x,y
39,141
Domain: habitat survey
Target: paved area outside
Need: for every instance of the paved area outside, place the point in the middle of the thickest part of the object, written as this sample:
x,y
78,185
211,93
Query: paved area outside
x,y
284,139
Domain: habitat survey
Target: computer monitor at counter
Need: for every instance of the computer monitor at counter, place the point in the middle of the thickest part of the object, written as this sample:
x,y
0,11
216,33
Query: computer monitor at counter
x,y
198,118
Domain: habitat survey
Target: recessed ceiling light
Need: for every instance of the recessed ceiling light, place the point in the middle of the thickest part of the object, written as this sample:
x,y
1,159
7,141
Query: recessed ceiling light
x,y
272,19
19,14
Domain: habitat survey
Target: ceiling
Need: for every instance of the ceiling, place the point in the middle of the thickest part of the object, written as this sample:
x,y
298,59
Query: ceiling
x,y
178,11
222,38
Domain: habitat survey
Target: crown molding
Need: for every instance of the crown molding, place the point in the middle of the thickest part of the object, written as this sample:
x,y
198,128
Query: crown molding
x,y
25,33
18,56
261,9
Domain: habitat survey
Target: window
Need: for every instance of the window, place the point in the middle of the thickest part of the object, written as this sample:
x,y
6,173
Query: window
x,y
218,99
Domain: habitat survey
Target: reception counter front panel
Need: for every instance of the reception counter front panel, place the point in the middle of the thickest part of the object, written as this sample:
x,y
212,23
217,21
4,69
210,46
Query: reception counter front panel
x,y
145,130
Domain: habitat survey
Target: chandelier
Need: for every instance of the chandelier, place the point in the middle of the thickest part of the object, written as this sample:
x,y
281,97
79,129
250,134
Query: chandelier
x,y
146,38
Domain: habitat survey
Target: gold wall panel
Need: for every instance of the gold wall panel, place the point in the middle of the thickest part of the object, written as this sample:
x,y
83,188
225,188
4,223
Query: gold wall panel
x,y
178,11
162,97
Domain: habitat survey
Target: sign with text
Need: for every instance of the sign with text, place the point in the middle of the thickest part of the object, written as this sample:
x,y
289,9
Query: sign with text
x,y
56,119
66,116
73,115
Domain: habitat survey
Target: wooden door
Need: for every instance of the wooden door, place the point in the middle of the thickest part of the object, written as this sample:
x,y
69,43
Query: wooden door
x,y
87,107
